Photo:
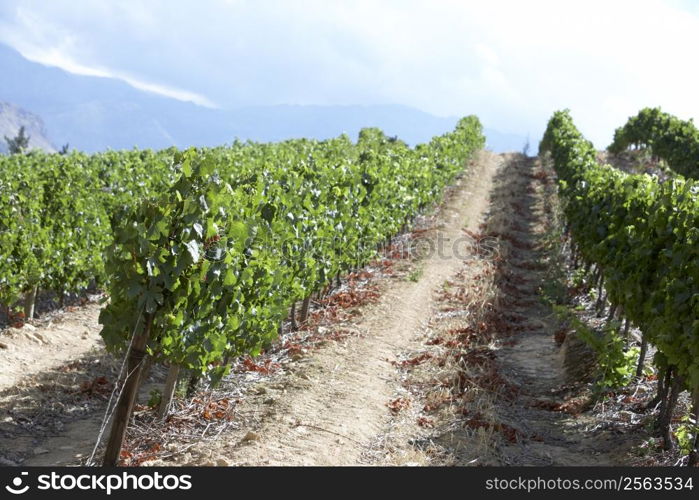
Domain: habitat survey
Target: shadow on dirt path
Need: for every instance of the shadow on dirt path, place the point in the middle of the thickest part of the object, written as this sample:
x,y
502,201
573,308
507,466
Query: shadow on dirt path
x,y
534,362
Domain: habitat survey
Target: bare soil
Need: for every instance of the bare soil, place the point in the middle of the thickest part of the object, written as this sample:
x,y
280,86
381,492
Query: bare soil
x,y
47,344
52,382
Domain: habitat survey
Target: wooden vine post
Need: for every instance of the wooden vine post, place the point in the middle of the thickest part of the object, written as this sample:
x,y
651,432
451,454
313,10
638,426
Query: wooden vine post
x,y
30,302
304,309
125,404
169,390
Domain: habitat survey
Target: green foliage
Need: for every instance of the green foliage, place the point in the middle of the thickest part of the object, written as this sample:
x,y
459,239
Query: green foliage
x,y
617,365
57,212
215,243
154,398
578,279
685,434
674,140
416,274
218,256
643,234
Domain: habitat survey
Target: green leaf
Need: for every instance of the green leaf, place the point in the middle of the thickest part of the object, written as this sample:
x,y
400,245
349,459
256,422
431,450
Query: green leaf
x,y
239,233
230,278
187,168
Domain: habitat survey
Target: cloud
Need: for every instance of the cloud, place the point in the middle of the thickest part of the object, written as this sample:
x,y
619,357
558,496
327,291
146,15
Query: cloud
x,y
53,47
53,56
511,62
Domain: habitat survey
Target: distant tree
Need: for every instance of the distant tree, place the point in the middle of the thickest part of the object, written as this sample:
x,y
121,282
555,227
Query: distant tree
x,y
64,149
18,144
525,149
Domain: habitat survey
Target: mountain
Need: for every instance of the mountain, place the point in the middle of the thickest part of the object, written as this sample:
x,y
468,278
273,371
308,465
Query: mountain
x,y
12,117
501,142
92,114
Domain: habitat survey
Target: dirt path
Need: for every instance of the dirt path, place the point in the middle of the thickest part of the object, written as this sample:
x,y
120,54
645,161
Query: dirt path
x,y
533,362
28,351
334,405
54,380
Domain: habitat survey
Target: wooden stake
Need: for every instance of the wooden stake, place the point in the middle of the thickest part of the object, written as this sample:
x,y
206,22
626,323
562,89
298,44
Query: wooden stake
x,y
642,356
665,420
129,391
304,309
30,302
292,316
173,373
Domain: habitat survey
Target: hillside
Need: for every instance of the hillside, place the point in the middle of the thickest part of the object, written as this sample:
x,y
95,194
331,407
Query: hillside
x,y
12,117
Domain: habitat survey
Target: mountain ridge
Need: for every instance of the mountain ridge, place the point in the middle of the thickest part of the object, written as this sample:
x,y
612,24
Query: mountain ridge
x,y
96,113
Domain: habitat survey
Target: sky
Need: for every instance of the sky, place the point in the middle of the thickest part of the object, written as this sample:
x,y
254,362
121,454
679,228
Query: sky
x,y
510,62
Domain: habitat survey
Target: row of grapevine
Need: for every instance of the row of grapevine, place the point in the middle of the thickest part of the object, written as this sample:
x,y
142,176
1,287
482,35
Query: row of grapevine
x,y
674,140
56,214
644,238
209,268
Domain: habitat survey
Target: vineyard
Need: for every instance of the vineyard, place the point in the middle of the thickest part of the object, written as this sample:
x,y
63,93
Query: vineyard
x,y
667,137
209,267
642,238
229,268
